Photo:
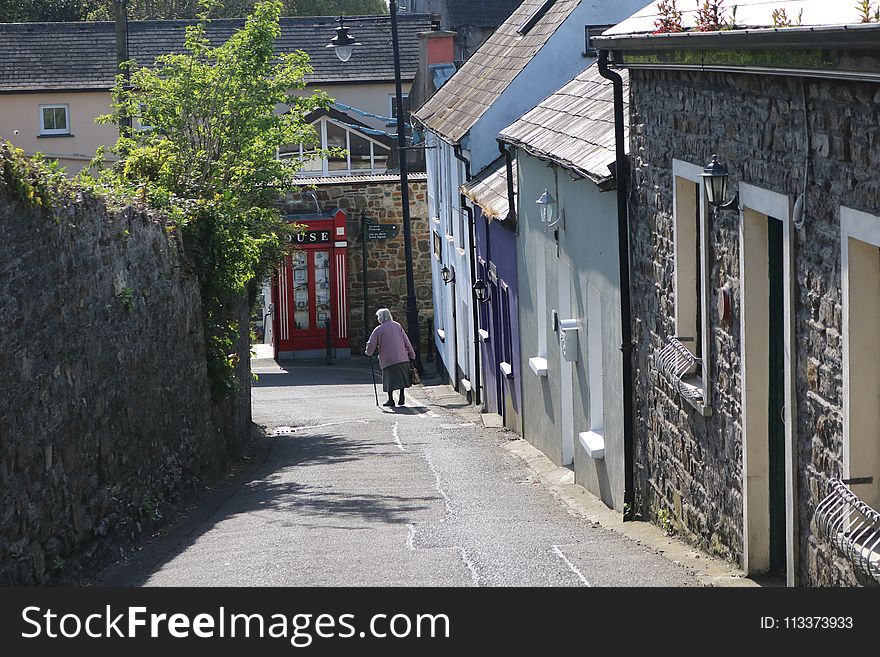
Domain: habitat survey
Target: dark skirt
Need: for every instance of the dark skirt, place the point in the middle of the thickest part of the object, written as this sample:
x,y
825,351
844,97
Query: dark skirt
x,y
396,377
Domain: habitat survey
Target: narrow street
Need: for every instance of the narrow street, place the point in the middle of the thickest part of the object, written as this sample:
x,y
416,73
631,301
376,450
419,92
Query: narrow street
x,y
348,494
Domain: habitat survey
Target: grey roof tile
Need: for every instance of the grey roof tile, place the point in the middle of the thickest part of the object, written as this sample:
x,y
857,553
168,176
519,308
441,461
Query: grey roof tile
x,y
489,13
460,103
574,126
56,56
488,189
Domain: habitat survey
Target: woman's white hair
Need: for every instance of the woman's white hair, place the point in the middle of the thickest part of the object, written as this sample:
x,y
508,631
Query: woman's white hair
x,y
383,315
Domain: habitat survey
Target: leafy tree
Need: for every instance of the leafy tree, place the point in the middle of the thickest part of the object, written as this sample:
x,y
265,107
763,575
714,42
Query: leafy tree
x,y
208,159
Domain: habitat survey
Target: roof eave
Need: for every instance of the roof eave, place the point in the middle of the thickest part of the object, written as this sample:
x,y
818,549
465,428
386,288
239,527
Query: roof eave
x,y
599,180
844,36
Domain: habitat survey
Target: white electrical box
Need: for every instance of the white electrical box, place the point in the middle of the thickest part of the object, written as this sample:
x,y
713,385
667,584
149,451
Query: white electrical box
x,y
568,339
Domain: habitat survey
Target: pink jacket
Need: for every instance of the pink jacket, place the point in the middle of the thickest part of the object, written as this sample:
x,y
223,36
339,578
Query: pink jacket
x,y
393,345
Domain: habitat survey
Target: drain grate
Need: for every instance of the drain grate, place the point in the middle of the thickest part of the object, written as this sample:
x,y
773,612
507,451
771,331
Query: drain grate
x,y
283,431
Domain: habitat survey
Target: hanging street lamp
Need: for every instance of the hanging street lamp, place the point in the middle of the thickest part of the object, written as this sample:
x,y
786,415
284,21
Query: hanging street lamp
x,y
344,44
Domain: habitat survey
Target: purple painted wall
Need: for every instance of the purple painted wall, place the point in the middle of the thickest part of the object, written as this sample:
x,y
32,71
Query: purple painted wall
x,y
496,252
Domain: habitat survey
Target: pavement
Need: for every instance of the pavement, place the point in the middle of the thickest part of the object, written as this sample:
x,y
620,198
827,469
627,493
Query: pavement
x,y
342,492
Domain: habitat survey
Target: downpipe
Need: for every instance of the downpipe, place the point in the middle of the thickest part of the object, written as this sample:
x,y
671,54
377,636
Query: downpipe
x,y
626,347
472,261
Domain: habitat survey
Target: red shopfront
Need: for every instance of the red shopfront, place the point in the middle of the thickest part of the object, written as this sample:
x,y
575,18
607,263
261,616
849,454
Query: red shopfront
x,y
311,289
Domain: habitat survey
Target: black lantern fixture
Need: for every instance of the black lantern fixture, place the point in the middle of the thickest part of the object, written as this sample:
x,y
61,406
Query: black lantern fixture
x,y
447,274
481,290
715,178
343,43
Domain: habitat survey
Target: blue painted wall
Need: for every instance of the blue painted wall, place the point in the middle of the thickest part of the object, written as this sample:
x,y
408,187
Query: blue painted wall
x,y
496,245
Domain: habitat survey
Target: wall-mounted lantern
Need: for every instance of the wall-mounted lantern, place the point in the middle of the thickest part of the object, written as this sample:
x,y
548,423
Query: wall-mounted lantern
x,y
715,178
481,290
547,207
343,43
447,274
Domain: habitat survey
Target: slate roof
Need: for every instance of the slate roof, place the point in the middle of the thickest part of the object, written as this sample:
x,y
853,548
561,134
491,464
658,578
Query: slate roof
x,y
460,103
489,13
489,189
574,126
57,56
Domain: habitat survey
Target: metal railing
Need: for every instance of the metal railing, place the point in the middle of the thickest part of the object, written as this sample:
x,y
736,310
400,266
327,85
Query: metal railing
x,y
675,362
851,526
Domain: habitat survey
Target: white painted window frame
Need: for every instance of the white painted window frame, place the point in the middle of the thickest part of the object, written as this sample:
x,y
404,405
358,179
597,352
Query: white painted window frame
x,y
320,126
54,131
862,227
685,280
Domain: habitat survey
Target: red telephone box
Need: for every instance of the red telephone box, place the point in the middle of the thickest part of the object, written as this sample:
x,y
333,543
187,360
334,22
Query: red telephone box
x,y
310,290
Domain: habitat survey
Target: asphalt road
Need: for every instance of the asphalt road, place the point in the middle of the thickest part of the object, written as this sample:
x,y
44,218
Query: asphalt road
x,y
350,494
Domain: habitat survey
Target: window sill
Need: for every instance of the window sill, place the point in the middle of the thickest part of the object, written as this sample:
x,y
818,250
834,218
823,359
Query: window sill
x,y
461,252
58,136
593,443
441,334
436,220
538,365
484,335
450,238
466,384
506,369
692,386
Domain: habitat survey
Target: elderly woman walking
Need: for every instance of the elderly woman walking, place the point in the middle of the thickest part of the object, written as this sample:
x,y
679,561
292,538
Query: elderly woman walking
x,y
395,352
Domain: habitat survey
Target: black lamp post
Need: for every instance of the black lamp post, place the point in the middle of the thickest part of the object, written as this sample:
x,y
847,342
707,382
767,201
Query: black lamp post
x,y
343,45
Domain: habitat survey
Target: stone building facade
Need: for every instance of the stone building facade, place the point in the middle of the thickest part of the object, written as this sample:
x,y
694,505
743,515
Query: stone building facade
x,y
691,459
378,199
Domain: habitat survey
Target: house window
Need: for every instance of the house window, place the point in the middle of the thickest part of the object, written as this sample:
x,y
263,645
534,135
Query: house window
x,y
691,270
142,124
54,119
392,107
860,259
362,155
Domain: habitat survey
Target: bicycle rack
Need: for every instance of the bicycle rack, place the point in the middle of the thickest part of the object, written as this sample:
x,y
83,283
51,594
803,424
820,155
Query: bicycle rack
x,y
851,526
674,362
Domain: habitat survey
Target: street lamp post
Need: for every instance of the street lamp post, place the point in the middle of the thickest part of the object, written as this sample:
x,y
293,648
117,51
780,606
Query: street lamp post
x,y
412,310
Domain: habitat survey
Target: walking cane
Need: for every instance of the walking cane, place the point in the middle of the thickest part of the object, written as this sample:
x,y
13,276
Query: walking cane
x,y
373,377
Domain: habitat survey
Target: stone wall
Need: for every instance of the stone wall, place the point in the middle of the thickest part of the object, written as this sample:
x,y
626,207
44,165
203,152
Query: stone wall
x,y
379,200
687,464
105,416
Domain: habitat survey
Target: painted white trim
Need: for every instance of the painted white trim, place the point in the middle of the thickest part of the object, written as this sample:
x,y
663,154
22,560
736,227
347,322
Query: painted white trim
x,y
865,228
484,335
340,244
593,443
756,548
466,384
538,365
694,174
506,369
54,131
441,334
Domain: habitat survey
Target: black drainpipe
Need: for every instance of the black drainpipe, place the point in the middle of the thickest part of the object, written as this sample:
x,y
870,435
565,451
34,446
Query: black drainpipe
x,y
508,161
475,311
626,347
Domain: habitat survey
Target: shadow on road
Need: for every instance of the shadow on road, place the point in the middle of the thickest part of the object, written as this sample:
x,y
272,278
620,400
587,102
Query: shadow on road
x,y
276,487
